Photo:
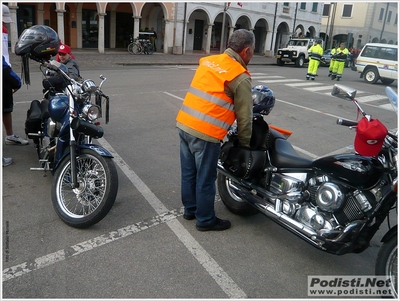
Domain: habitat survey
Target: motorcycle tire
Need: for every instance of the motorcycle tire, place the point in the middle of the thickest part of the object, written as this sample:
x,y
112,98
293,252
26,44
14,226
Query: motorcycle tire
x,y
386,263
233,202
89,203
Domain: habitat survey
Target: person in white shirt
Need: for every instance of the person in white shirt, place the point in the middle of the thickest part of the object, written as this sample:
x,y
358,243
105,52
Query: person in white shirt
x,y
6,19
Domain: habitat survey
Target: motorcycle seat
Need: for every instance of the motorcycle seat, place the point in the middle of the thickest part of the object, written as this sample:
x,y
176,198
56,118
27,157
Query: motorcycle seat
x,y
284,155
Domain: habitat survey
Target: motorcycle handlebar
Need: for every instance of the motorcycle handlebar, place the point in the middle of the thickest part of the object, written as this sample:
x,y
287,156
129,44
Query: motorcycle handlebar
x,y
346,122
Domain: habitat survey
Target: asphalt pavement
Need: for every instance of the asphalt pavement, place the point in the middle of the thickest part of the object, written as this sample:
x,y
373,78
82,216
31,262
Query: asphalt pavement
x,y
91,58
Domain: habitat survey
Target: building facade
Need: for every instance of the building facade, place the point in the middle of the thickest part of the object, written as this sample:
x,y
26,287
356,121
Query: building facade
x,y
358,23
180,26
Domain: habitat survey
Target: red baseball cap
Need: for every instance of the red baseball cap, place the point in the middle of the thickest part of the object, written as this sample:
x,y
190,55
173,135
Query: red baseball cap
x,y
64,48
369,137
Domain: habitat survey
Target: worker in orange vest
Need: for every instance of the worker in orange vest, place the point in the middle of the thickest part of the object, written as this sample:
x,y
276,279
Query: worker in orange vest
x,y
220,92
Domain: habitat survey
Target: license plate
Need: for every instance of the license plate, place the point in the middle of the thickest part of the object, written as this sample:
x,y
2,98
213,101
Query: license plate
x,y
286,55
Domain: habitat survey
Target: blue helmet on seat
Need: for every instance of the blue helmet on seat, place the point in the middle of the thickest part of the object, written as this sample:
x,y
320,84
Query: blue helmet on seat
x,y
263,99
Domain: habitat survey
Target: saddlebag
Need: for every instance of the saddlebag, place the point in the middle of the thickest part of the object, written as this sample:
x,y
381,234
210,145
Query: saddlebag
x,y
37,113
247,162
243,162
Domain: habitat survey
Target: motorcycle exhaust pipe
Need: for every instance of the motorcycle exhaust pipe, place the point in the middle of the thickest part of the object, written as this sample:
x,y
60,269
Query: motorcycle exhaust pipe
x,y
84,127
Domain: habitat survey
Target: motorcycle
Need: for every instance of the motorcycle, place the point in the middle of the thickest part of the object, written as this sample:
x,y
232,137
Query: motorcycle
x,y
336,203
62,126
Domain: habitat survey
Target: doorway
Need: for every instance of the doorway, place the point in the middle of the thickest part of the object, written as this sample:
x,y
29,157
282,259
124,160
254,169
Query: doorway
x,y
198,34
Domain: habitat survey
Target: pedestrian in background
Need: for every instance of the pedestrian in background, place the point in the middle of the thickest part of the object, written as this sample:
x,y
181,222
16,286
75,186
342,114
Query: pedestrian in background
x,y
340,61
11,84
315,53
6,19
220,92
153,39
332,62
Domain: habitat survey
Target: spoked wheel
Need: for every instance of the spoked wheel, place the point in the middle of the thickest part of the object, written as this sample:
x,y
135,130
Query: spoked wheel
x,y
226,190
150,49
90,202
386,263
130,48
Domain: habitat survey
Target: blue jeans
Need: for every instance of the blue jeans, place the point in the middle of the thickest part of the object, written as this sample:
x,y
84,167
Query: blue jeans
x,y
199,160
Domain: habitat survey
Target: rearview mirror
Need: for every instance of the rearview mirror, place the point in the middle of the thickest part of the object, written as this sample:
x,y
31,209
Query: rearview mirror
x,y
343,92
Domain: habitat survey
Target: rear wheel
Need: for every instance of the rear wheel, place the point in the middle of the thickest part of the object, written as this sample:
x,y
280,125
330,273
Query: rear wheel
x,y
387,81
150,49
136,48
371,76
386,263
130,50
232,201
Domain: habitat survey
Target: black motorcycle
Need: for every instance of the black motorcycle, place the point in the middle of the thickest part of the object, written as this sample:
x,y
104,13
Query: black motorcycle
x,y
336,203
62,126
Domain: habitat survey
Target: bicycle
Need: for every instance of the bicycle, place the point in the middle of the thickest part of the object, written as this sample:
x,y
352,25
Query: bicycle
x,y
140,46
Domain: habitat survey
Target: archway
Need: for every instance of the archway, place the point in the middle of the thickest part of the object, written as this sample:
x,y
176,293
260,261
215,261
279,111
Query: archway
x,y
260,33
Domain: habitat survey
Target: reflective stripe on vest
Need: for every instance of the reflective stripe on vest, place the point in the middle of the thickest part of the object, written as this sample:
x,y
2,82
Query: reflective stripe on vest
x,y
206,107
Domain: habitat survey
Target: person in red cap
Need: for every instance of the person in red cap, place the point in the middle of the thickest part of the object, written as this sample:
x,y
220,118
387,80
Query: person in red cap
x,y
370,136
64,56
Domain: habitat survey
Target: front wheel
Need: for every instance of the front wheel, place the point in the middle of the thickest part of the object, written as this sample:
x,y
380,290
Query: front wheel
x,y
386,263
300,61
91,201
130,48
232,201
279,62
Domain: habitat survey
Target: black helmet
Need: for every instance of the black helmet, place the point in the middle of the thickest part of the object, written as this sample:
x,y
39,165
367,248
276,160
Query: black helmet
x,y
40,41
263,99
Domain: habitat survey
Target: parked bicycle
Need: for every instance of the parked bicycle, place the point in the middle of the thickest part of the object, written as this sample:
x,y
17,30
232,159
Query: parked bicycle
x,y
140,46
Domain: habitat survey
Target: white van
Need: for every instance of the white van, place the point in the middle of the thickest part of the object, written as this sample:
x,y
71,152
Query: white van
x,y
377,61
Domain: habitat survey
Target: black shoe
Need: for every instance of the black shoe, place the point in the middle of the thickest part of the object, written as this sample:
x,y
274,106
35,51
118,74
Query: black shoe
x,y
219,225
338,79
189,217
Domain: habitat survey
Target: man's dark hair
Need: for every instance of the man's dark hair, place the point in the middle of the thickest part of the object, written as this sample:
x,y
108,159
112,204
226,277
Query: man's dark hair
x,y
241,39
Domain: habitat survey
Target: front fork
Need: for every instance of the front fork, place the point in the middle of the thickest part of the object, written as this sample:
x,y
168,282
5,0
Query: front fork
x,y
72,144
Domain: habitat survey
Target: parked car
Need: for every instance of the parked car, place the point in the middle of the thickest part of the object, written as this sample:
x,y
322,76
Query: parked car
x,y
326,59
378,61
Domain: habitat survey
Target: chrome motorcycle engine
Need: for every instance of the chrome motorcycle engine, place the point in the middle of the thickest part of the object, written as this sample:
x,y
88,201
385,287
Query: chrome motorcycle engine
x,y
319,203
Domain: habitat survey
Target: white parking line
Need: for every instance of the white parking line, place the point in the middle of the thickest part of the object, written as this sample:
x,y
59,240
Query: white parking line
x,y
164,216
285,80
303,84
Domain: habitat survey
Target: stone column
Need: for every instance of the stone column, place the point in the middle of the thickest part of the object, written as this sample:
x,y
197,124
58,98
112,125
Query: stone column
x,y
40,18
208,41
268,36
168,35
79,36
101,33
60,24
136,20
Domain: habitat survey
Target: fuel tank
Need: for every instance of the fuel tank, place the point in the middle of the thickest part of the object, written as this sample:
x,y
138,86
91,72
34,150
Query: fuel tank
x,y
58,105
355,170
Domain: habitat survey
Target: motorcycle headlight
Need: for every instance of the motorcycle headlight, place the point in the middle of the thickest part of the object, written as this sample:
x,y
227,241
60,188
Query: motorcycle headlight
x,y
91,111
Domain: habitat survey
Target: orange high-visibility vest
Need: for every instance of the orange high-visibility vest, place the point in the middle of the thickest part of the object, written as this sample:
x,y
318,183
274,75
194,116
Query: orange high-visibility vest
x,y
206,107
